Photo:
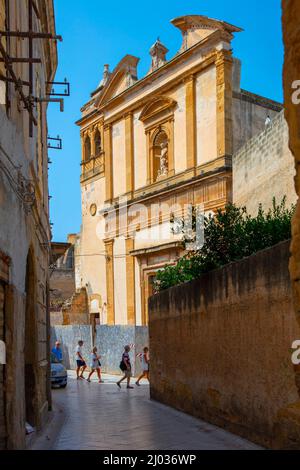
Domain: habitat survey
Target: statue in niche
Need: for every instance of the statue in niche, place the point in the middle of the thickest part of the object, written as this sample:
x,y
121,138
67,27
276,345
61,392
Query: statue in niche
x,y
163,170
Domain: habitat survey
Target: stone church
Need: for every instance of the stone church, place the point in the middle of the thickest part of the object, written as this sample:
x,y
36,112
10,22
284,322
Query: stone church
x,y
163,140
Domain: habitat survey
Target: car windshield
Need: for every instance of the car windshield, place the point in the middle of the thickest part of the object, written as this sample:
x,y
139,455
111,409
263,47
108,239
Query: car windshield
x,y
54,359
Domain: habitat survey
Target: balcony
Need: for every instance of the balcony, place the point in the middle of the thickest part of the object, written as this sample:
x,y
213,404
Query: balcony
x,y
92,167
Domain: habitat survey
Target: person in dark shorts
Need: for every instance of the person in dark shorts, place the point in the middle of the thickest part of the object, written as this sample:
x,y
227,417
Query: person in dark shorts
x,y
81,364
125,367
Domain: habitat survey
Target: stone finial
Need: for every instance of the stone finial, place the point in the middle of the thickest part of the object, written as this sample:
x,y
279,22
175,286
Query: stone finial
x,y
105,77
131,76
158,53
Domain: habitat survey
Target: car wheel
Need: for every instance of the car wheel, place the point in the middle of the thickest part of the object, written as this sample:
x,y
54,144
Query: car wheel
x,y
63,386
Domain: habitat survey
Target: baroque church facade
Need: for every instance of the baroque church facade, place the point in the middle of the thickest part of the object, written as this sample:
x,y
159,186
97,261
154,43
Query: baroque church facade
x,y
151,143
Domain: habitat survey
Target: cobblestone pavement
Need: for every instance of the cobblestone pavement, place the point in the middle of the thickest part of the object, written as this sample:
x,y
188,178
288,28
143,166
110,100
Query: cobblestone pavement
x,y
100,416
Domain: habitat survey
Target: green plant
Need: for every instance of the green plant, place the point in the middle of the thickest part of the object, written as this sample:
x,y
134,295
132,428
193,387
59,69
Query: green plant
x,y
230,235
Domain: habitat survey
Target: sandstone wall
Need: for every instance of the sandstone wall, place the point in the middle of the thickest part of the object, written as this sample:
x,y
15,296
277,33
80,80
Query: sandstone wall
x,y
290,417
264,168
221,346
62,287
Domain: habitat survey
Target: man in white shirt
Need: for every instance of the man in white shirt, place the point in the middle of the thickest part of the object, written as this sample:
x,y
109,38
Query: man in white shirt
x,y
81,364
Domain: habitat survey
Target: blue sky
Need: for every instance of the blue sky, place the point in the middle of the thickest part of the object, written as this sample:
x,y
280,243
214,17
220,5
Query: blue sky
x,y
97,32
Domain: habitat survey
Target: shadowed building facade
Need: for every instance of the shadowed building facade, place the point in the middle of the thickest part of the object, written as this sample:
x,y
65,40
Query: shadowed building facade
x,y
25,234
159,142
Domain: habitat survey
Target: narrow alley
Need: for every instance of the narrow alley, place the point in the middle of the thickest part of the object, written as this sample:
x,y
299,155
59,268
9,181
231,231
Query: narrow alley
x,y
100,417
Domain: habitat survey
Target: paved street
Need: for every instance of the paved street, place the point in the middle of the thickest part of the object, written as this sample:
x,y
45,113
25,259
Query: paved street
x,y
100,416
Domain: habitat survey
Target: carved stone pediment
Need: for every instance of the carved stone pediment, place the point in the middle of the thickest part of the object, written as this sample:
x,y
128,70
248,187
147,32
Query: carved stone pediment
x,y
122,77
157,106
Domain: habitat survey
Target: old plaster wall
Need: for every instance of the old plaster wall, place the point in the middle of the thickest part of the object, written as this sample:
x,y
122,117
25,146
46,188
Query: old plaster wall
x,y
120,287
206,115
90,249
221,345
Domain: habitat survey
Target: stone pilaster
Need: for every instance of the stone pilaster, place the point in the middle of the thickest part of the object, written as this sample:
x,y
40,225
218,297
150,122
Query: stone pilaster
x,y
109,253
129,150
130,282
224,103
108,162
191,130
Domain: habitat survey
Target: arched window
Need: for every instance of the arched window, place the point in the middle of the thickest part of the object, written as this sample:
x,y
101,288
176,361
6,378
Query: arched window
x,y
160,155
97,143
87,148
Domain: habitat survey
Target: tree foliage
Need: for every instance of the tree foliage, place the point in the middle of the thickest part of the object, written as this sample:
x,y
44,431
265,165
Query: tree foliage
x,y
229,235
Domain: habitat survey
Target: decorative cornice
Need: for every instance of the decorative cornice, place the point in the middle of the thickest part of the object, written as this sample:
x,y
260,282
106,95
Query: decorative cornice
x,y
179,182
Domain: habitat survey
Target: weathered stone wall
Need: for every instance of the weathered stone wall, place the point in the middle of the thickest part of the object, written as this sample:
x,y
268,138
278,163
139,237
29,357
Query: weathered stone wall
x,y
62,285
264,168
289,425
249,115
110,341
221,345
24,236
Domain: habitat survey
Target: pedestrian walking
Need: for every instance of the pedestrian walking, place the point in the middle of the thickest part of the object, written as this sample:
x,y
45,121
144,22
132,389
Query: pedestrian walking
x,y
125,367
95,365
145,362
81,364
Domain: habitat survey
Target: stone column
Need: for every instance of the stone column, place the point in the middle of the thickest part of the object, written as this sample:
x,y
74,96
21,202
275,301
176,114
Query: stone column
x,y
92,137
82,137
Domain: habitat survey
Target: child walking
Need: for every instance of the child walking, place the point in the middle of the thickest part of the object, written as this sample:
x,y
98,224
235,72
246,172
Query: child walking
x,y
145,366
125,367
95,365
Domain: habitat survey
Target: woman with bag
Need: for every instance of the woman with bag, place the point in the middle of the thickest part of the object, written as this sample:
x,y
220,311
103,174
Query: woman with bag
x,y
125,367
95,365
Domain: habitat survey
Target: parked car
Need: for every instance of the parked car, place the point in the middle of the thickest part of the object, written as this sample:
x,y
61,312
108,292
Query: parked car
x,y
59,376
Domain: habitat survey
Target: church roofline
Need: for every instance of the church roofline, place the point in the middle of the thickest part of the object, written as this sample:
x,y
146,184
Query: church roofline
x,y
183,23
178,57
187,21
